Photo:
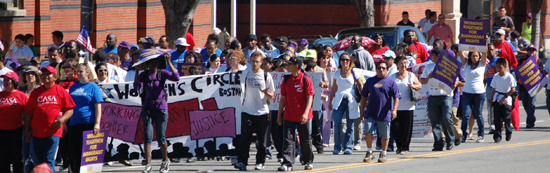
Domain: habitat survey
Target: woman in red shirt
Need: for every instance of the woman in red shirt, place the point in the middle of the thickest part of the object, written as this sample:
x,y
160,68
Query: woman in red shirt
x,y
12,102
378,49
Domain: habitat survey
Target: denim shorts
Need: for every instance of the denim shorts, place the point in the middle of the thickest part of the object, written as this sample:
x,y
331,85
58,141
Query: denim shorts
x,y
370,126
160,118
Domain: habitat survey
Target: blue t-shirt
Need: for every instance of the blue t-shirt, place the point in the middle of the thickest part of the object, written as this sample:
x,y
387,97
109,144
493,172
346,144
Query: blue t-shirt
x,y
85,96
113,50
176,58
382,93
206,58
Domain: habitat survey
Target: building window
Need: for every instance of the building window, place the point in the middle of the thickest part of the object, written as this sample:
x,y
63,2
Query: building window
x,y
12,8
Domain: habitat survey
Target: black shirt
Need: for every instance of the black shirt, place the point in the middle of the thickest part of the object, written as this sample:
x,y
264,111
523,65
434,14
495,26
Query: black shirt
x,y
409,23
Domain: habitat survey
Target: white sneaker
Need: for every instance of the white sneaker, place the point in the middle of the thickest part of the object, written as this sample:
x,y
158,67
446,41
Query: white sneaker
x,y
480,139
259,166
147,169
357,147
308,167
164,166
284,168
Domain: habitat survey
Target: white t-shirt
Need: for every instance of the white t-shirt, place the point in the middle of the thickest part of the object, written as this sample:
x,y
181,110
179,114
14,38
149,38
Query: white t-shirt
x,y
503,84
474,79
405,103
255,101
433,90
4,71
116,73
346,89
130,76
422,21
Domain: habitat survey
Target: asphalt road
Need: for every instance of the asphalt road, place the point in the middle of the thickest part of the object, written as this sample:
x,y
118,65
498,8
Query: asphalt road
x,y
527,152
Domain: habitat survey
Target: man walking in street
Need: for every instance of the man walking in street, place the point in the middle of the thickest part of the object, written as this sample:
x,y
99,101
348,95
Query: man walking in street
x,y
258,89
379,91
363,59
298,88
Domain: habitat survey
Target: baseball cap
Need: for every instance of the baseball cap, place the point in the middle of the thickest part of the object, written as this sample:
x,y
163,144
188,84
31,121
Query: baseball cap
x,y
251,37
389,54
303,42
529,15
12,75
311,54
500,31
124,44
134,45
531,47
182,42
295,60
150,40
282,39
49,69
31,69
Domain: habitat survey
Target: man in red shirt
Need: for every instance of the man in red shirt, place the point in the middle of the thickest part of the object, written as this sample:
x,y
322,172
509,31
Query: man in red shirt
x,y
48,108
504,49
412,40
297,115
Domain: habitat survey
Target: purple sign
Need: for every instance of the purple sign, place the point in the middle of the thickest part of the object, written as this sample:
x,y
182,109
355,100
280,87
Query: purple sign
x,y
212,123
446,70
120,120
472,34
183,68
93,147
528,73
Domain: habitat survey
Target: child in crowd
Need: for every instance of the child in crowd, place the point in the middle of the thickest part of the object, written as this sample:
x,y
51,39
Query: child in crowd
x,y
504,86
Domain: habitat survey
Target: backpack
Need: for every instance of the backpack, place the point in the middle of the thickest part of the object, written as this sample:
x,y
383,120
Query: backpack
x,y
143,94
303,80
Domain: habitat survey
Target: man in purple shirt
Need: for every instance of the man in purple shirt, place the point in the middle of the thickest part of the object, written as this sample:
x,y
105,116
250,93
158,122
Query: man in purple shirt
x,y
379,91
154,103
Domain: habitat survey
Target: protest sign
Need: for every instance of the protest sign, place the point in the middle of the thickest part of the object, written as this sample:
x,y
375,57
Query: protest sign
x,y
472,35
528,73
120,120
445,72
212,123
183,68
278,78
93,150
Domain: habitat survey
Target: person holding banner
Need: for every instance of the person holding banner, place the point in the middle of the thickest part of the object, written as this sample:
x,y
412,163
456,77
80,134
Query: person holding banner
x,y
214,64
504,85
298,88
154,100
258,89
473,95
49,107
528,101
343,102
87,115
12,103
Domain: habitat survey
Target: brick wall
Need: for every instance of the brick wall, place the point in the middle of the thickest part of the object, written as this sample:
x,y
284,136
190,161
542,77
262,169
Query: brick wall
x,y
389,12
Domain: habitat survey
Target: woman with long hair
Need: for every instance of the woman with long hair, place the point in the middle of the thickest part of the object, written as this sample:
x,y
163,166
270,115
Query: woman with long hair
x,y
343,103
473,92
87,113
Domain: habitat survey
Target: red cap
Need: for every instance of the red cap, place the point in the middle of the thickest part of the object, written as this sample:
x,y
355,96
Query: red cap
x,y
50,69
12,75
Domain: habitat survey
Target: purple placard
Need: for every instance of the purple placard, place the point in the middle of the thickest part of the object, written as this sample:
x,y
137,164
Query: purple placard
x,y
93,147
528,72
212,123
183,68
473,31
446,69
120,120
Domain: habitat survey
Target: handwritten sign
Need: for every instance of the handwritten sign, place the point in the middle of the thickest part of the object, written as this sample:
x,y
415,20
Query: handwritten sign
x,y
183,68
472,35
121,121
93,150
212,123
445,72
528,73
278,78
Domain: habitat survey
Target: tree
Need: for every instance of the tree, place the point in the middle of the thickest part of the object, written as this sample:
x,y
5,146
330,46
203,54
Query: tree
x,y
365,12
535,32
179,15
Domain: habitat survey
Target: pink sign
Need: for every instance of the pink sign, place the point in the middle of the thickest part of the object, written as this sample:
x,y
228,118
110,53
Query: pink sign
x,y
212,123
120,120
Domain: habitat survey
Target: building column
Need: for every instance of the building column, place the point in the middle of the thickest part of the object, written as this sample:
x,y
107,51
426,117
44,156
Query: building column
x,y
253,17
234,18
451,10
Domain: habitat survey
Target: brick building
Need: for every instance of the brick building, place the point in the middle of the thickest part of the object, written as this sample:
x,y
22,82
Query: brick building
x,y
132,19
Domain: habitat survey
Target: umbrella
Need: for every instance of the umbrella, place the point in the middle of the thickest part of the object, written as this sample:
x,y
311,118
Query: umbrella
x,y
345,43
149,54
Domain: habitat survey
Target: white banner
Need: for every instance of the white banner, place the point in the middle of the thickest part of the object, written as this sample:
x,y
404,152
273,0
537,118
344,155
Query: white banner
x,y
278,78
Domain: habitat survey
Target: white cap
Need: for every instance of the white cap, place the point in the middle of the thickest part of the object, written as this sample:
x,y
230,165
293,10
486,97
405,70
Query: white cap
x,y
217,31
500,31
182,42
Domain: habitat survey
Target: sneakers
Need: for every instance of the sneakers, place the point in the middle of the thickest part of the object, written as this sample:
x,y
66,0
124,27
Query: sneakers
x,y
308,167
259,166
164,166
457,142
280,160
369,157
382,158
357,147
480,139
125,162
347,152
240,166
147,169
508,137
285,168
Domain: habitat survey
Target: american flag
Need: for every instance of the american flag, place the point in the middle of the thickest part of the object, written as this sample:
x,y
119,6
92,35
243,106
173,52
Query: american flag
x,y
84,40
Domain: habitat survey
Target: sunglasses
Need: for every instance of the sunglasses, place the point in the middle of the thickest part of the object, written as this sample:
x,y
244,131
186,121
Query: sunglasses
x,y
232,58
102,70
345,60
381,68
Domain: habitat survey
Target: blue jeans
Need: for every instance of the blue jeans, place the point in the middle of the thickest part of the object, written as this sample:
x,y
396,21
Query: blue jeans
x,y
440,110
342,111
27,160
491,116
43,150
160,118
472,102
529,106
